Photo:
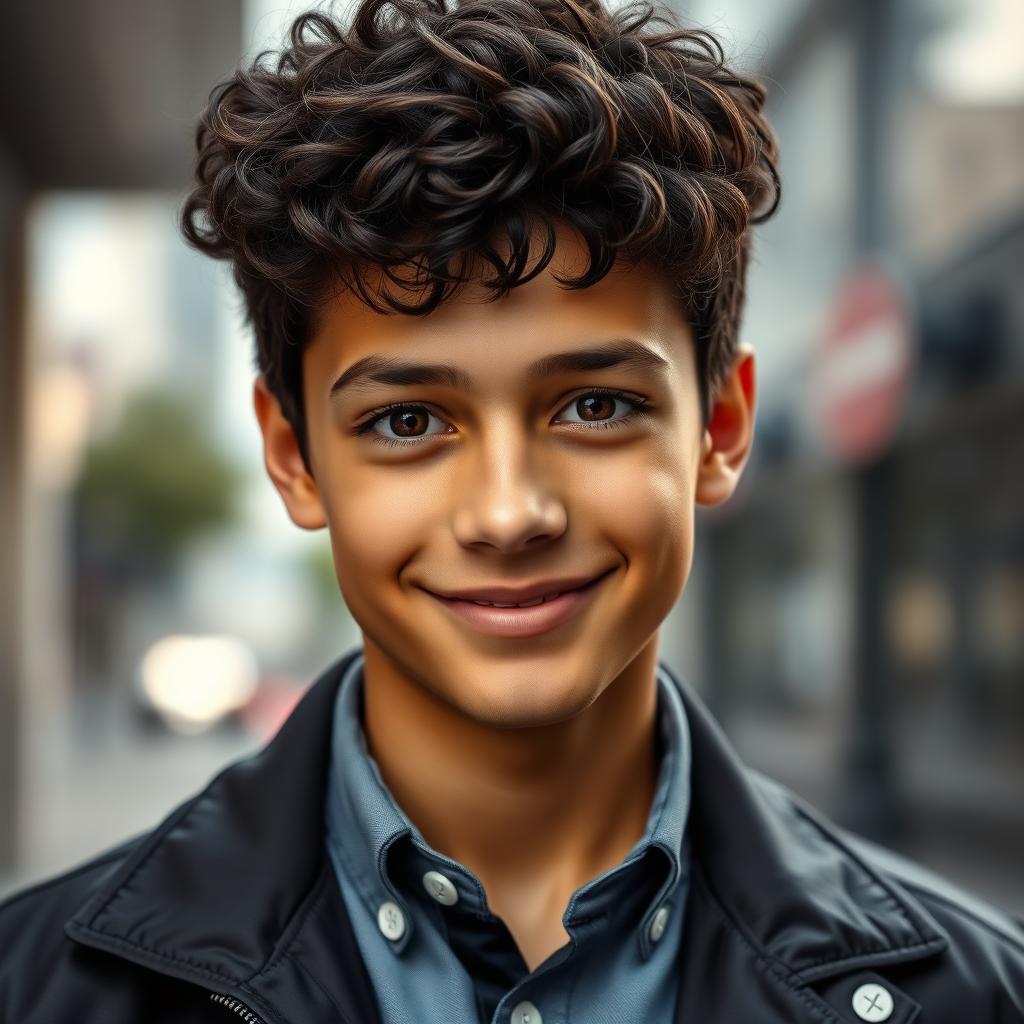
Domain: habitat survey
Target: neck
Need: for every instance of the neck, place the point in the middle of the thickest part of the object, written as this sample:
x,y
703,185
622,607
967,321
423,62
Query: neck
x,y
536,811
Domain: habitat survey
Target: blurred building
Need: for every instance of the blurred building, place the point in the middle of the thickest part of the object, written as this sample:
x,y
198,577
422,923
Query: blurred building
x,y
859,626
100,96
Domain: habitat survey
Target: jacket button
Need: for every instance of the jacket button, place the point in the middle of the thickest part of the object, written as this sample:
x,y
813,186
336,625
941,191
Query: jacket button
x,y
526,1013
391,920
658,923
440,887
872,1002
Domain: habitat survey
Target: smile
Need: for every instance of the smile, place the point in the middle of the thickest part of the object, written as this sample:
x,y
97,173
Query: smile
x,y
532,618
524,604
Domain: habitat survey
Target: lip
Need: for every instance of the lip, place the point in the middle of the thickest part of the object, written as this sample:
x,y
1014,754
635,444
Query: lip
x,y
517,623
517,595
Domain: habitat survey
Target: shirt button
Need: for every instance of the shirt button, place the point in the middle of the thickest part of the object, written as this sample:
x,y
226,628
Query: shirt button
x,y
526,1013
440,887
872,1002
391,920
658,923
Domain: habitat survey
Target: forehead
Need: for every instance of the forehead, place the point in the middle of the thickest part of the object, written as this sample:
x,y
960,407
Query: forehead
x,y
498,341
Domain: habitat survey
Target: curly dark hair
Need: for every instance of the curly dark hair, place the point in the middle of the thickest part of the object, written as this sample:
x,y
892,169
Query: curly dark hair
x,y
410,137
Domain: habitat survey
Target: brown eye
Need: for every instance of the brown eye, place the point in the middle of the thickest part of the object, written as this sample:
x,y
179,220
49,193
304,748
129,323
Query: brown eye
x,y
594,406
405,420
410,421
598,408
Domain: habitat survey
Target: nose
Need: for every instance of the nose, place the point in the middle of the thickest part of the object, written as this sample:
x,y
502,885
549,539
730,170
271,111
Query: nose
x,y
509,498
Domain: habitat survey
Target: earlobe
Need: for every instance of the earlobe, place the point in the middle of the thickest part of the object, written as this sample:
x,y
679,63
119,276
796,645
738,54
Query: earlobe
x,y
729,434
283,461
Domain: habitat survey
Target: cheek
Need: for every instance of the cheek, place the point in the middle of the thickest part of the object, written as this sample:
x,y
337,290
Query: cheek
x,y
377,525
646,509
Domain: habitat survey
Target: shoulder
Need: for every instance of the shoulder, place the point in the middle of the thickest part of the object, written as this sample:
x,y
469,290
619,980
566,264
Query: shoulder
x,y
45,976
32,919
983,963
973,924
66,890
984,955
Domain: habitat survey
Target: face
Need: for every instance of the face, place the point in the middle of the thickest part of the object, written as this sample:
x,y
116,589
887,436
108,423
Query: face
x,y
502,476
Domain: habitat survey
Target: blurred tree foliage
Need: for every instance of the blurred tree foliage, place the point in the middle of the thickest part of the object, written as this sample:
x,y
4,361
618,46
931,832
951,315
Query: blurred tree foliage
x,y
157,481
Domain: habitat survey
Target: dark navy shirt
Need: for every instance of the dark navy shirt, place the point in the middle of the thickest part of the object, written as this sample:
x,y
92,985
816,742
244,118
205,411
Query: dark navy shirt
x,y
433,949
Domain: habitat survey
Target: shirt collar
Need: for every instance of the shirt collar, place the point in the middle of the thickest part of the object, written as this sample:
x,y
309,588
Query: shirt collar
x,y
364,821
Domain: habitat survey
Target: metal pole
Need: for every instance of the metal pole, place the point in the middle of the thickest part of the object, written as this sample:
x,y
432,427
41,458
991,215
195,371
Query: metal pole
x,y
871,797
12,396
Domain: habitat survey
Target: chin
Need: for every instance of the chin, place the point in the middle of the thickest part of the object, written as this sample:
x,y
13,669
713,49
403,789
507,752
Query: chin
x,y
529,704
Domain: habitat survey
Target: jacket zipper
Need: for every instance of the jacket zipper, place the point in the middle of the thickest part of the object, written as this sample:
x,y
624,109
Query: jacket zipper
x,y
245,1014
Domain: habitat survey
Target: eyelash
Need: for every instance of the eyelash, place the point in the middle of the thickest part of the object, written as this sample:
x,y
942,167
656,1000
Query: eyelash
x,y
366,427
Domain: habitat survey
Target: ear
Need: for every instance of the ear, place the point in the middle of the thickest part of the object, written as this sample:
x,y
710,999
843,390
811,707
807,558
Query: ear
x,y
283,461
729,433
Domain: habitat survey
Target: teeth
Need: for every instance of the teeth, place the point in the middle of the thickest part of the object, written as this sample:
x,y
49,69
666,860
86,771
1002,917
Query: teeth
x,y
525,604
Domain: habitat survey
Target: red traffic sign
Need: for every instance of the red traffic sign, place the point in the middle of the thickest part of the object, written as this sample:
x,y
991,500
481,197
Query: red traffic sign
x,y
862,371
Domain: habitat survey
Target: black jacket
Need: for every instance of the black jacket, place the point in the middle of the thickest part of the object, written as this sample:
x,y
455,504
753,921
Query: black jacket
x,y
229,910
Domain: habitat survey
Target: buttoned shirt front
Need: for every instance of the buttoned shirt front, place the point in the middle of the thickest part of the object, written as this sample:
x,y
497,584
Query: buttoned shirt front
x,y
434,950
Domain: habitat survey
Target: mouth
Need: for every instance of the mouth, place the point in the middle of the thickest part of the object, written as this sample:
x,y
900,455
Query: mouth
x,y
518,622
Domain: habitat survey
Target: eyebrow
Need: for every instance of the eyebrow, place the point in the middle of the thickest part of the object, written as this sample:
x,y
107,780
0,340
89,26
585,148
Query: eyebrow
x,y
373,369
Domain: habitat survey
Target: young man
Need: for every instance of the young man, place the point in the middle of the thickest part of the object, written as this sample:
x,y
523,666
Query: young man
x,y
494,257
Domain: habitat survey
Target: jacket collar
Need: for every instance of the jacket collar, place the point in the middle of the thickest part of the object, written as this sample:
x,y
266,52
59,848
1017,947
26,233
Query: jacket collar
x,y
785,875
234,887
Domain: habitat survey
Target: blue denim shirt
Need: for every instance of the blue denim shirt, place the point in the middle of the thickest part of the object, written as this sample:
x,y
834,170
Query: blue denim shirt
x,y
438,953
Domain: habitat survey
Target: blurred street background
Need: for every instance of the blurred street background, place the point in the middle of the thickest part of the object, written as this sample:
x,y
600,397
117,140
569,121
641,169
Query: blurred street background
x,y
855,614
